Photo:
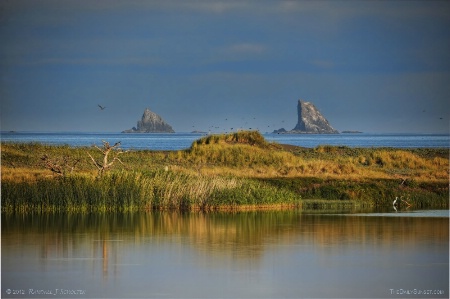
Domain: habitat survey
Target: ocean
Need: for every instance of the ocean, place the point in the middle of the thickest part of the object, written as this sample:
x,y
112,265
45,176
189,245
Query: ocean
x,y
177,141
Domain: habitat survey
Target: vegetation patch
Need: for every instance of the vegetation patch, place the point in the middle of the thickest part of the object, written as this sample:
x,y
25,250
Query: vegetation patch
x,y
131,190
217,172
380,192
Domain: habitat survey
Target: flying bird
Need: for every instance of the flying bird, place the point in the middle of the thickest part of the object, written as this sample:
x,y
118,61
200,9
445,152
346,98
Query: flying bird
x,y
101,107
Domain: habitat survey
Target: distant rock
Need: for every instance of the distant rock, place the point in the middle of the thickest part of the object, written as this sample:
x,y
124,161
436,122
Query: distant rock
x,y
280,131
310,121
151,123
351,132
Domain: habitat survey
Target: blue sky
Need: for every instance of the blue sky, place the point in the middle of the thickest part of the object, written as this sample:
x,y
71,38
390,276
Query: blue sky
x,y
373,66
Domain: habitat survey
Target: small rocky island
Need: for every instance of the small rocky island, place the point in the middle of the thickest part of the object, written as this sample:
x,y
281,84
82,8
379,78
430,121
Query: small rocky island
x,y
151,123
351,132
310,121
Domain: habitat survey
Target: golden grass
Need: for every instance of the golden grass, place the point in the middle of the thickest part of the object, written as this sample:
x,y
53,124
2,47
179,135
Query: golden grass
x,y
243,154
223,171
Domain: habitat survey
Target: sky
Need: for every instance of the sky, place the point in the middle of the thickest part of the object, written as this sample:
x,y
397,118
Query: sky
x,y
372,66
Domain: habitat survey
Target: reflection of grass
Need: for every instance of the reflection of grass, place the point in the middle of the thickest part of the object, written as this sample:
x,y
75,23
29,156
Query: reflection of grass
x,y
239,169
217,234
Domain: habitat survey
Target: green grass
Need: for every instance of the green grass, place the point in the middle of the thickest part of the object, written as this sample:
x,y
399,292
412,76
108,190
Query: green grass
x,y
380,192
130,190
221,171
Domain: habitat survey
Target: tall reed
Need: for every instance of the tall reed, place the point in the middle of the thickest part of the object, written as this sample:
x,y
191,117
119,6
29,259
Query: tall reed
x,y
130,190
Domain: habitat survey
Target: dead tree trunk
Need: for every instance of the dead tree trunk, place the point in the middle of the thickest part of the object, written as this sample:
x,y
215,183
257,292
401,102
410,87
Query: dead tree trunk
x,y
107,148
59,168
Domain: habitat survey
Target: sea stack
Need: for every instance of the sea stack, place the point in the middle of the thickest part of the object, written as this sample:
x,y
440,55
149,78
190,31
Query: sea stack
x,y
151,123
310,121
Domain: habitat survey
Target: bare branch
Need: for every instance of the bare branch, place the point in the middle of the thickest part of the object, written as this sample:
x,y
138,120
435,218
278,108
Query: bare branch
x,y
107,148
98,148
98,165
58,168
405,201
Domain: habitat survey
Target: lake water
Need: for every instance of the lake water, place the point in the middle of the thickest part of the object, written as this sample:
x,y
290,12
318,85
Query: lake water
x,y
270,254
179,141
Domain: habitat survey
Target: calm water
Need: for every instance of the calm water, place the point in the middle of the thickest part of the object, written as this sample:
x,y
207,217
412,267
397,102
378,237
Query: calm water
x,y
184,140
286,254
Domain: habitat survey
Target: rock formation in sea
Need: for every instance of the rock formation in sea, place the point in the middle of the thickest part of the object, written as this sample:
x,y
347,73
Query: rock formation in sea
x,y
280,131
310,121
351,132
151,123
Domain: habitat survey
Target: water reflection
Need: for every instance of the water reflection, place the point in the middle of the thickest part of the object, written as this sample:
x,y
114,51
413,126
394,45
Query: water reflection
x,y
251,254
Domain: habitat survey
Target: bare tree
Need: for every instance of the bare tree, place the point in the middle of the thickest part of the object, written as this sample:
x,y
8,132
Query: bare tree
x,y
58,167
105,164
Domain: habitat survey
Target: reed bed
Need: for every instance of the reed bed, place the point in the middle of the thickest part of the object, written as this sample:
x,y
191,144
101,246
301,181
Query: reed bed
x,y
380,192
217,171
128,191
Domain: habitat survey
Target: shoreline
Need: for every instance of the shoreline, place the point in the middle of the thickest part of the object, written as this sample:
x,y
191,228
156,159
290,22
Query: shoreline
x,y
219,172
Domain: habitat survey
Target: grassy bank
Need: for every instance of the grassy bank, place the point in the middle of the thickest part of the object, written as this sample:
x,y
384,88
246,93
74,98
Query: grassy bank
x,y
219,172
134,190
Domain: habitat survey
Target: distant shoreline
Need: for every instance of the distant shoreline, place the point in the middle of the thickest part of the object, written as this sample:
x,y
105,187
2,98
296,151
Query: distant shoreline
x,y
218,172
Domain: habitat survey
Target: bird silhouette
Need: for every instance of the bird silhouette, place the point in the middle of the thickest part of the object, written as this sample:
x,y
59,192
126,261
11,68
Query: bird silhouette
x,y
101,107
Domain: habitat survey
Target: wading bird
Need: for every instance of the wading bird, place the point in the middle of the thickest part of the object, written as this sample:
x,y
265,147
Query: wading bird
x,y
395,201
394,204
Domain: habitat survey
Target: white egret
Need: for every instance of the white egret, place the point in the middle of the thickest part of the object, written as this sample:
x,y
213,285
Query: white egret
x,y
395,201
394,204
